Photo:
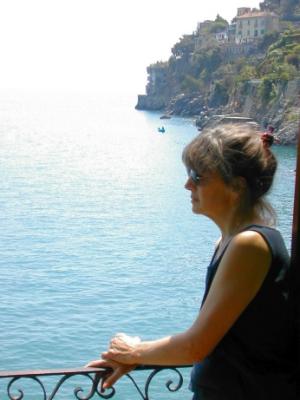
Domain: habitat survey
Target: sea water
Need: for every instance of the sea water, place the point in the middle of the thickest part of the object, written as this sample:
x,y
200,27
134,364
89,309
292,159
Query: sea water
x,y
97,234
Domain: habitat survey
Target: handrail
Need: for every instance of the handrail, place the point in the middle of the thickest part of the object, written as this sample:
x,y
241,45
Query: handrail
x,y
94,376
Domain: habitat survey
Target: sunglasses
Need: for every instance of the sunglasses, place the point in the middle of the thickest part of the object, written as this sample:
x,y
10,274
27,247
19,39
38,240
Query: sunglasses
x,y
194,176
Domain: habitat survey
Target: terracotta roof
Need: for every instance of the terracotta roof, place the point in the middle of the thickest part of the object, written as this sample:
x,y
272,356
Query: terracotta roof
x,y
256,14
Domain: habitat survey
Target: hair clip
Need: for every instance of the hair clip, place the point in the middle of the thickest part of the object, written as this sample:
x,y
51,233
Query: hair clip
x,y
267,139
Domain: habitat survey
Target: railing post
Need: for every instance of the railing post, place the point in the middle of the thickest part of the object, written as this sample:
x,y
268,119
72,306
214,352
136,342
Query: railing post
x,y
295,252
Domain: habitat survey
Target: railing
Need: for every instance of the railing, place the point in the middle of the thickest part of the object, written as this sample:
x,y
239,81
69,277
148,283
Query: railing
x,y
13,382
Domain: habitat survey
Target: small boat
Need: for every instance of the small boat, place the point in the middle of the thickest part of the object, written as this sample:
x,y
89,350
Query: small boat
x,y
161,130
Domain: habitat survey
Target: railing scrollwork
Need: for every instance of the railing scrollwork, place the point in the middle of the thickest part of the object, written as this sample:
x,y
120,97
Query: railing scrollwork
x,y
15,379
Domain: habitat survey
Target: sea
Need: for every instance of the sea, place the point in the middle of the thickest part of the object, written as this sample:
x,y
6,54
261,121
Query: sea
x,y
97,235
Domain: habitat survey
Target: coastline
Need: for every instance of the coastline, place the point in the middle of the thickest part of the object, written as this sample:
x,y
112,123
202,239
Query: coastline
x,y
283,113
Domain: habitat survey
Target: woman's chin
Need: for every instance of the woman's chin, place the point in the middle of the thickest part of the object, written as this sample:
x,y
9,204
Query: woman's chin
x,y
196,208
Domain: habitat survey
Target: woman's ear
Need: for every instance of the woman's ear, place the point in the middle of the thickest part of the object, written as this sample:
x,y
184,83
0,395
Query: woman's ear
x,y
239,184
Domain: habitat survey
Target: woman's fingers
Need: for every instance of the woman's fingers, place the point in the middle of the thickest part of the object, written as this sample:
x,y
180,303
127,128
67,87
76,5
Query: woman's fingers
x,y
110,355
123,341
111,376
97,364
119,336
111,379
118,371
118,357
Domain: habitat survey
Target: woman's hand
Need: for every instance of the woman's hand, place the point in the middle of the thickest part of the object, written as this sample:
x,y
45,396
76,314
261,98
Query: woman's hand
x,y
111,377
122,349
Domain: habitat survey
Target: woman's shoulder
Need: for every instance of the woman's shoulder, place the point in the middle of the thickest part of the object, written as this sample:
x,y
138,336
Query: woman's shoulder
x,y
269,234
262,229
262,239
249,242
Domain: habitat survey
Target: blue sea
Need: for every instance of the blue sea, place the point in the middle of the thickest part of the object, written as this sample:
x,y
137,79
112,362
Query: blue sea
x,y
97,233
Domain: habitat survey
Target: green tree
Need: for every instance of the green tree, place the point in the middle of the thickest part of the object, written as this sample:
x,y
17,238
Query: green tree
x,y
220,95
267,90
191,84
293,59
247,73
267,40
185,46
220,24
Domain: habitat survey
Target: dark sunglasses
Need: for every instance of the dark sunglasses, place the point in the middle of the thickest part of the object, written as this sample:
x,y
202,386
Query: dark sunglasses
x,y
194,176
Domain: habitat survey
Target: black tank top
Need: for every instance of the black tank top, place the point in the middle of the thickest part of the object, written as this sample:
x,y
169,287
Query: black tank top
x,y
255,359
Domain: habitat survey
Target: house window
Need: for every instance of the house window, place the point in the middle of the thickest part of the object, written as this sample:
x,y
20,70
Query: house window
x,y
240,24
248,33
248,21
262,31
256,32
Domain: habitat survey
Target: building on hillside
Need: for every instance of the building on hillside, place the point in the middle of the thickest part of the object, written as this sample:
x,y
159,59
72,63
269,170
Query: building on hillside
x,y
253,24
206,36
232,32
243,10
204,26
157,77
222,36
202,34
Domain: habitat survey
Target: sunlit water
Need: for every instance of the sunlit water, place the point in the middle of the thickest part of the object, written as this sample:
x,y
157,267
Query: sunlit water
x,y
97,233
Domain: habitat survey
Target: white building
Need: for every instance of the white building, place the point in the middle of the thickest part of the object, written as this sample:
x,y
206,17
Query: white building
x,y
253,24
222,36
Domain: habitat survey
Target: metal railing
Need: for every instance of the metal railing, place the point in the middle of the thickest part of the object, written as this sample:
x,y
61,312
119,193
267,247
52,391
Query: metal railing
x,y
15,382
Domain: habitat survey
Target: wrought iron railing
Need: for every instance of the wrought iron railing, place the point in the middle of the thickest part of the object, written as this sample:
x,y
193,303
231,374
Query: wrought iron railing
x,y
14,383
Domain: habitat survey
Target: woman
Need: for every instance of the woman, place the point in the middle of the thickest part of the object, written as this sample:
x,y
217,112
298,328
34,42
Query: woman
x,y
241,343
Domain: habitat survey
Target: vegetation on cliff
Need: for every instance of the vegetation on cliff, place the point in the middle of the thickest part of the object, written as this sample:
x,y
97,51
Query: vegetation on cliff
x,y
202,72
288,9
190,70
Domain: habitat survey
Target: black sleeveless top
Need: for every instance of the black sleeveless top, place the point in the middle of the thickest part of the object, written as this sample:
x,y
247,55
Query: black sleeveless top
x,y
255,359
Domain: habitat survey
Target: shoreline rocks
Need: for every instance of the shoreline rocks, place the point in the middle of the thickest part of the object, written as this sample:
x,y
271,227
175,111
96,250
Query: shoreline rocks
x,y
283,113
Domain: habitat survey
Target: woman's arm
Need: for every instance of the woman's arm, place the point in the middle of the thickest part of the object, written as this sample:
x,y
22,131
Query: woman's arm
x,y
240,275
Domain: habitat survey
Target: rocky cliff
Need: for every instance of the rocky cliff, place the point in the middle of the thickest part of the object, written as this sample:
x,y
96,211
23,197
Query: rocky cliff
x,y
258,80
283,112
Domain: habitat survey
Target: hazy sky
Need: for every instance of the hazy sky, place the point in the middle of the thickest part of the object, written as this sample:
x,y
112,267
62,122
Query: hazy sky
x,y
104,45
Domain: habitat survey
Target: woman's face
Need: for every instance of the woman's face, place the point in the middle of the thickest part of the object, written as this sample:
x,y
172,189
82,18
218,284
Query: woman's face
x,y
210,195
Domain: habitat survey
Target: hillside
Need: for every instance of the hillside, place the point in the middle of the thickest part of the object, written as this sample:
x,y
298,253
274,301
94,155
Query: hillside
x,y
210,73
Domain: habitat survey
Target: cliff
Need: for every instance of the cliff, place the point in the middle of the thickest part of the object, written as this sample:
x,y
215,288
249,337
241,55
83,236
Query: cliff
x,y
210,73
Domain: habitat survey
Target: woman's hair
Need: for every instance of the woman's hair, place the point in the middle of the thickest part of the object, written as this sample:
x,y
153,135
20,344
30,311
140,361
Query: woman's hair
x,y
236,150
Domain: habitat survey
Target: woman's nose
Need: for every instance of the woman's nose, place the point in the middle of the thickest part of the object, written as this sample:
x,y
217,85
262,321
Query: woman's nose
x,y
189,184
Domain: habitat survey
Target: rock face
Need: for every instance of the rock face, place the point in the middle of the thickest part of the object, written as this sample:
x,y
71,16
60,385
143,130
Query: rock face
x,y
151,103
283,113
288,133
185,105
